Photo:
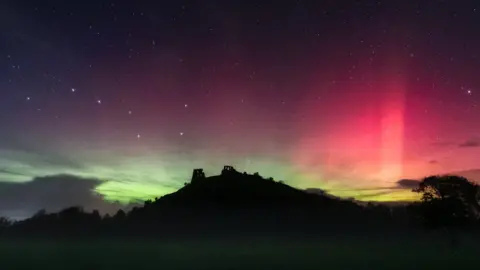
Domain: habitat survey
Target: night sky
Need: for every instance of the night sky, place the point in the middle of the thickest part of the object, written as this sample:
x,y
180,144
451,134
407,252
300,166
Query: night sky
x,y
128,97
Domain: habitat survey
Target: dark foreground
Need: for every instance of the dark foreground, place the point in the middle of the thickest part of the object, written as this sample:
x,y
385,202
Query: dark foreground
x,y
372,252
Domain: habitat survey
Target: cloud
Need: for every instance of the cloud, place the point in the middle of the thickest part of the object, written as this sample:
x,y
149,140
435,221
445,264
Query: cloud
x,y
52,193
372,195
407,183
433,161
470,143
316,191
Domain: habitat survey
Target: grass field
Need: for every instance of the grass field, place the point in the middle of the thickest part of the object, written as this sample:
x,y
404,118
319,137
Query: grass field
x,y
332,253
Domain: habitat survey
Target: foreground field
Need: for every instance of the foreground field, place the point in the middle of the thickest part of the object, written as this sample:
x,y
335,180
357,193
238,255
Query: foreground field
x,y
332,253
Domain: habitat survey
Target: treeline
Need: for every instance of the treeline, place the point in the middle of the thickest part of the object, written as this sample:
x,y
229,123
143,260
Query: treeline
x,y
195,220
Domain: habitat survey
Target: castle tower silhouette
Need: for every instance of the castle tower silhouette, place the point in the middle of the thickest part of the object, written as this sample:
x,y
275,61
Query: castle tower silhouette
x,y
228,170
198,174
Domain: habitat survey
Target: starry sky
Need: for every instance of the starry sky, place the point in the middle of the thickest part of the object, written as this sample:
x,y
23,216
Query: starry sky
x,y
347,96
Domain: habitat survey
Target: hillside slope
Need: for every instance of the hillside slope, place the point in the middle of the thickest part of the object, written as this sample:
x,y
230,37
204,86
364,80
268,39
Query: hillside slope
x,y
235,199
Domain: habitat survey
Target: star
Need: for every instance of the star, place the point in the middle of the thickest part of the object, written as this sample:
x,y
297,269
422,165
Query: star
x,y
73,90
181,133
129,112
28,98
99,101
186,105
138,136
469,91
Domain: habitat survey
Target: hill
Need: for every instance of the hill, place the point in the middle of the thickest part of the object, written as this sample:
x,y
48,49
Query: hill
x,y
240,201
229,203
235,191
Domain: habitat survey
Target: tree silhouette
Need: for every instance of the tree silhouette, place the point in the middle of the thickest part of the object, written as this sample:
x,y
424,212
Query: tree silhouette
x,y
449,203
120,215
5,223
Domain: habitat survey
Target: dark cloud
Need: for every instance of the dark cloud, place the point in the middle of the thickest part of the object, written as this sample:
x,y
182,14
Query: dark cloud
x,y
320,192
52,193
470,143
373,192
371,195
402,184
316,191
433,161
407,183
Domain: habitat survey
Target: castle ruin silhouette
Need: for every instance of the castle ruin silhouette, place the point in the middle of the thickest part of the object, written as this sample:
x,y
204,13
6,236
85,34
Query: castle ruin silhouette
x,y
199,174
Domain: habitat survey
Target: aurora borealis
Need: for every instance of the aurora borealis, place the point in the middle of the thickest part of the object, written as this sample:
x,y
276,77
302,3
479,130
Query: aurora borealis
x,y
348,96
